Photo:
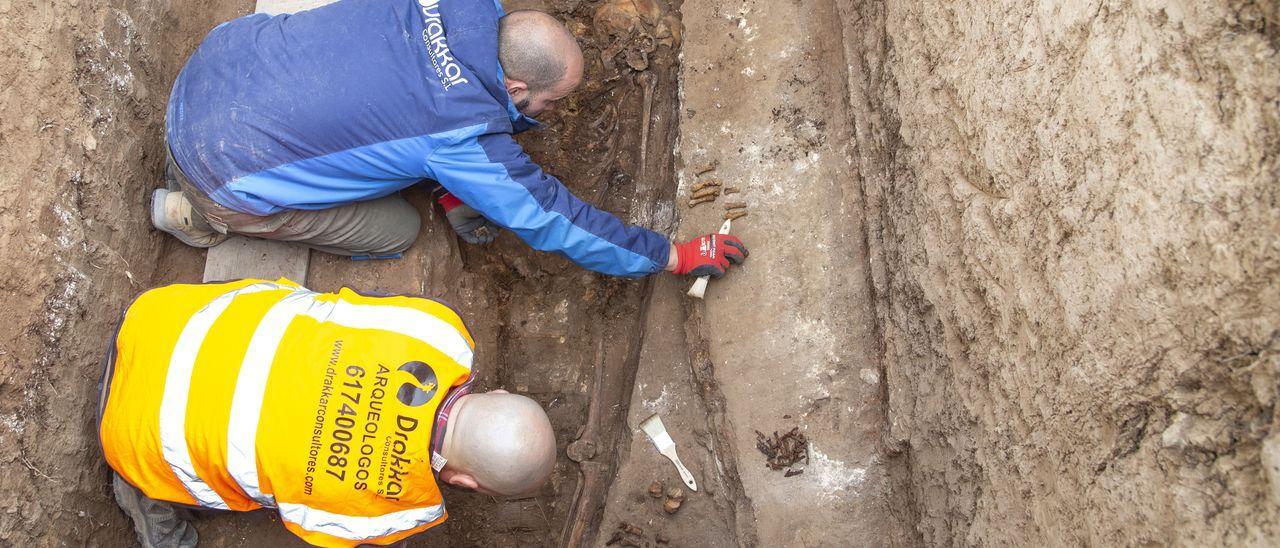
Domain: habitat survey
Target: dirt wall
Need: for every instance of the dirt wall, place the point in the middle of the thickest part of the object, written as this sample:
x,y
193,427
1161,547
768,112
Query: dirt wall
x,y
81,117
1072,209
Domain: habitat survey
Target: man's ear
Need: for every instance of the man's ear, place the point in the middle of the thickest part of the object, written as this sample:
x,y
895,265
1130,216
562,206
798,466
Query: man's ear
x,y
459,479
515,86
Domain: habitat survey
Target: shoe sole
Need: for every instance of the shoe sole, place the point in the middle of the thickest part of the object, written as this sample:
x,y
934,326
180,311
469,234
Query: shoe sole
x,y
158,216
131,501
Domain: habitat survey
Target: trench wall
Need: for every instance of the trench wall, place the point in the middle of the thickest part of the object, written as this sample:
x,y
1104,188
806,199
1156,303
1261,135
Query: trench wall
x,y
81,113
1072,214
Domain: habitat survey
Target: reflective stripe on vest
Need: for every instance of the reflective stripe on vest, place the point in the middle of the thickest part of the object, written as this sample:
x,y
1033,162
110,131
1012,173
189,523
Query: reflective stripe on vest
x,y
359,527
177,387
242,429
207,404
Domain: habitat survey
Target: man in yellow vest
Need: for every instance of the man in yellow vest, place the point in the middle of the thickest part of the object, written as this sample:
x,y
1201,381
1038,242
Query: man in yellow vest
x,y
339,410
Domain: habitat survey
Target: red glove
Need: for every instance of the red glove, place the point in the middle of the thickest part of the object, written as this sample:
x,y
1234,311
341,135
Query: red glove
x,y
448,201
709,255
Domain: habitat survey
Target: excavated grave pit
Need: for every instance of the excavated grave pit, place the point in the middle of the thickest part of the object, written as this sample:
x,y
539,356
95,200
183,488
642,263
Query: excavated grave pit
x,y
544,327
1072,271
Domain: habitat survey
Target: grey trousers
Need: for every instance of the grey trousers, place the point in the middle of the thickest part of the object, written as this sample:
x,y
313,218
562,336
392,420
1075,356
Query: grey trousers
x,y
374,227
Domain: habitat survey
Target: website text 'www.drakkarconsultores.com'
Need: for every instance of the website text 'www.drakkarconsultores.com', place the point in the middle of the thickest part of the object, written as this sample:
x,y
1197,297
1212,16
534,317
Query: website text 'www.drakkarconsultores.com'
x,y
345,435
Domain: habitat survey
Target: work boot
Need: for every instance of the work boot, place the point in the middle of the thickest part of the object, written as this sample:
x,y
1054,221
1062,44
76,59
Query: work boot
x,y
171,212
158,524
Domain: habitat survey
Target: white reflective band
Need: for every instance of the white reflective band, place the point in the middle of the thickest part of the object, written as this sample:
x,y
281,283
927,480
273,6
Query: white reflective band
x,y
409,322
358,527
177,388
251,385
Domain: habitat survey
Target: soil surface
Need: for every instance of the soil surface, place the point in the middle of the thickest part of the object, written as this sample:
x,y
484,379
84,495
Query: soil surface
x,y
81,116
788,337
1072,212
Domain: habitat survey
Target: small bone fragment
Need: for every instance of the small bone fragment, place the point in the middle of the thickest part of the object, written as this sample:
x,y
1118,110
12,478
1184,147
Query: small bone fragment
x,y
695,202
630,529
710,191
661,538
711,183
735,205
655,489
671,506
675,493
731,190
734,215
709,166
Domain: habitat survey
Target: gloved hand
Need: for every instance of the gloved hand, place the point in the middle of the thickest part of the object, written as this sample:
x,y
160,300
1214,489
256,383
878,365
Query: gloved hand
x,y
470,225
709,255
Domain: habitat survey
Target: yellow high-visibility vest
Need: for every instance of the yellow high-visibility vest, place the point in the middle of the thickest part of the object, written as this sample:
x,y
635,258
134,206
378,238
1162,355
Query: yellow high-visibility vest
x,y
255,394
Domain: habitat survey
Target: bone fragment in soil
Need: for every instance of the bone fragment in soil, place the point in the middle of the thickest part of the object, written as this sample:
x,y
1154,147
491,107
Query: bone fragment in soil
x,y
783,451
731,190
706,192
655,489
706,168
627,534
705,184
648,82
698,201
735,214
735,205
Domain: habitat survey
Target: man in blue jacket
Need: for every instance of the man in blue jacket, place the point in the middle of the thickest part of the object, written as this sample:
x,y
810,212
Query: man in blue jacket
x,y
304,128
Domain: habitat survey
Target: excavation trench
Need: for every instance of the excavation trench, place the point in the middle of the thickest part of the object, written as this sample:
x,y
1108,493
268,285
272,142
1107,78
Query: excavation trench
x,y
1013,271
544,327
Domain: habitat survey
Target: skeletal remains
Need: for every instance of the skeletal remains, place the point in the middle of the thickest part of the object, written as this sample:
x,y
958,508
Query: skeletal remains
x,y
784,451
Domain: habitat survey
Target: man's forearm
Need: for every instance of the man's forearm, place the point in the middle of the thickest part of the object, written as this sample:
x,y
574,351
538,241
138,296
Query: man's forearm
x,y
672,259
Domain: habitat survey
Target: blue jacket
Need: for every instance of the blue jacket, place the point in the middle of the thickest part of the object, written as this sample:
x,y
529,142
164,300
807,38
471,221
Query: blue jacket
x,y
361,98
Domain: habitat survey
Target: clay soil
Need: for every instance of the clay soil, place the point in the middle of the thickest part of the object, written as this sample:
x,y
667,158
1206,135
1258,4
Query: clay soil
x,y
1072,213
84,92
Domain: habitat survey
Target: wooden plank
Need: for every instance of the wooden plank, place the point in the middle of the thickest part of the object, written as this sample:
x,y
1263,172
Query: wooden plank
x,y
241,257
276,7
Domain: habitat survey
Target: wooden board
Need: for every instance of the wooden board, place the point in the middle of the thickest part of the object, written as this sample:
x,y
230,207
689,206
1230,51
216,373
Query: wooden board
x,y
241,257
276,7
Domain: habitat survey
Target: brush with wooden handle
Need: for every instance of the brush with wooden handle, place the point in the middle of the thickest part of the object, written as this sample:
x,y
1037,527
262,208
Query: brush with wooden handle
x,y
657,433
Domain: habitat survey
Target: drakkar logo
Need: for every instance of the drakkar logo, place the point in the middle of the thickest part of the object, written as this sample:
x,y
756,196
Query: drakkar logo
x,y
414,395
433,35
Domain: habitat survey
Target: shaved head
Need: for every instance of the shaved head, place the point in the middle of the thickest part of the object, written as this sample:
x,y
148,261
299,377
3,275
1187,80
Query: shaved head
x,y
540,59
498,443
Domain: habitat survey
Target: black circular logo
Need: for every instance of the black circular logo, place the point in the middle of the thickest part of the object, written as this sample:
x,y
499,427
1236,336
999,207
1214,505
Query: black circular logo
x,y
416,394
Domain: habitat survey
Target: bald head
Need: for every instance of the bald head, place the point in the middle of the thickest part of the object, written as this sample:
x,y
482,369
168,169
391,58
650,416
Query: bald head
x,y
540,58
498,443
